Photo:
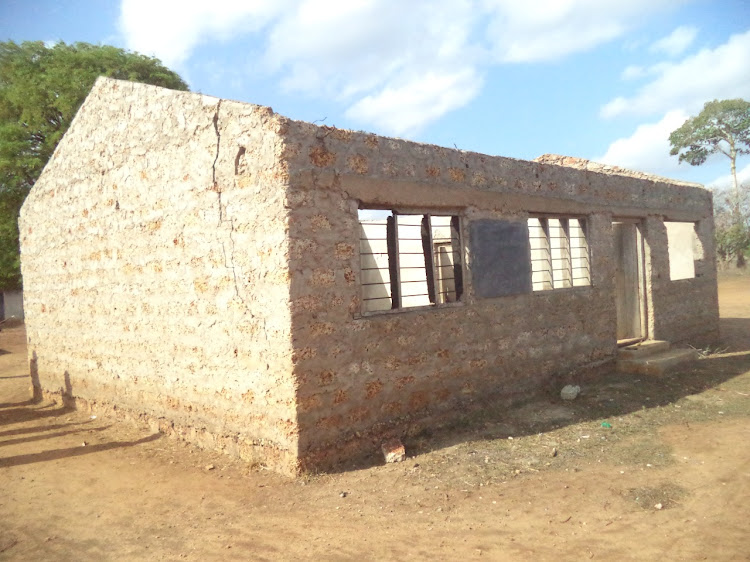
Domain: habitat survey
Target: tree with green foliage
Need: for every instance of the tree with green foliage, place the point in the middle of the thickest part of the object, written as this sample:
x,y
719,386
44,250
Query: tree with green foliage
x,y
722,127
41,89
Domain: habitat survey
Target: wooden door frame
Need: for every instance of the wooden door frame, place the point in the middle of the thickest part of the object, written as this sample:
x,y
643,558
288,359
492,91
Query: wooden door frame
x,y
639,223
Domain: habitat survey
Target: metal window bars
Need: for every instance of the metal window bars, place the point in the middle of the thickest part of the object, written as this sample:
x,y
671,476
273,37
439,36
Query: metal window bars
x,y
409,260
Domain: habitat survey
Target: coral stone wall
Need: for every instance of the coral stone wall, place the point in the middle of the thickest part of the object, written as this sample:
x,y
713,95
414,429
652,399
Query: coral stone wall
x,y
155,268
195,262
686,310
361,377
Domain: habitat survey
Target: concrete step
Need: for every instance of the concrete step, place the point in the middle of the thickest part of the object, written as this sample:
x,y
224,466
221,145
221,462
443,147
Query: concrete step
x,y
642,349
657,363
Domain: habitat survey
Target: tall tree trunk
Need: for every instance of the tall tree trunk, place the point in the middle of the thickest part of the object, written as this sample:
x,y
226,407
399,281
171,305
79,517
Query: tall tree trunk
x,y
737,215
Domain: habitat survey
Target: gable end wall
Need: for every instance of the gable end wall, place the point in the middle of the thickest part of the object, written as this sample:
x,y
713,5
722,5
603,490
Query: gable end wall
x,y
155,268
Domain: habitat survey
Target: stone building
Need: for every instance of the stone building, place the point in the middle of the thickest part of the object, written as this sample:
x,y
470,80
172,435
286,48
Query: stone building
x,y
293,294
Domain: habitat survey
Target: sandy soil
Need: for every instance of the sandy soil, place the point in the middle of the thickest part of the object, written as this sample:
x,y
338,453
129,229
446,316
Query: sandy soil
x,y
546,481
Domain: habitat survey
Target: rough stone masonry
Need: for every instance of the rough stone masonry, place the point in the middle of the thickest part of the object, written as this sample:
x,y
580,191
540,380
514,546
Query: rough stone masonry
x,y
209,266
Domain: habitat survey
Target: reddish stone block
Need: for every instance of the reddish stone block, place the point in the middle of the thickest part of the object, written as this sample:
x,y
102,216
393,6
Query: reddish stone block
x,y
393,450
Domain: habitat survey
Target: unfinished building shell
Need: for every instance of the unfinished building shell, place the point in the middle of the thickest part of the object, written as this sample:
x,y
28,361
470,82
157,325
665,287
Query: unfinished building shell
x,y
296,294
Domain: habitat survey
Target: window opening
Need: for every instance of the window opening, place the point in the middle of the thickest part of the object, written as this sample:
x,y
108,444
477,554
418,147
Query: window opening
x,y
559,253
579,253
409,260
682,245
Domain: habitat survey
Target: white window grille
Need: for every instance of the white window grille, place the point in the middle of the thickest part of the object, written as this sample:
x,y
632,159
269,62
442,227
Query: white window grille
x,y
559,253
409,260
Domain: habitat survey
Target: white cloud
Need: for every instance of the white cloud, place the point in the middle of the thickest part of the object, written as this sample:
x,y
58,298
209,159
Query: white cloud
x,y
359,53
676,42
647,149
378,50
547,30
406,108
710,73
725,181
360,47
377,56
635,72
171,29
397,66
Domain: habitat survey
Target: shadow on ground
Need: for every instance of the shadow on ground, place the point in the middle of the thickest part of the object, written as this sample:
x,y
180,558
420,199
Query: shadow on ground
x,y
21,412
606,397
52,427
16,404
44,436
73,451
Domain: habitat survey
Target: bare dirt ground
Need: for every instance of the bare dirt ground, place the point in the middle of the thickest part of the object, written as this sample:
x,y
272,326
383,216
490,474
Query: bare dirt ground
x,y
545,481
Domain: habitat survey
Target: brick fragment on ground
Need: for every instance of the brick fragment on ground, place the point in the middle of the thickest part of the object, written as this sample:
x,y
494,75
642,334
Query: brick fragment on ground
x,y
393,450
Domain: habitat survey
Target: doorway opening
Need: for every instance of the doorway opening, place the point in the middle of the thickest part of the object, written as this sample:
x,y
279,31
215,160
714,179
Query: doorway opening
x,y
630,295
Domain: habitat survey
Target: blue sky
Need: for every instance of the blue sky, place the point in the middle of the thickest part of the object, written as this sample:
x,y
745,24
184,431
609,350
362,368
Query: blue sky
x,y
598,79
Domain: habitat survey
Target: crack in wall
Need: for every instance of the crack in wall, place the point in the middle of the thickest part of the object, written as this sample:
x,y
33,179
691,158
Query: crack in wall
x,y
230,264
216,158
